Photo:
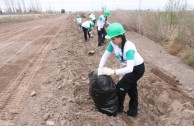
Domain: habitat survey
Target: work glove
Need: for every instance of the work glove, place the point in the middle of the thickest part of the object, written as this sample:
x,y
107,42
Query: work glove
x,y
105,71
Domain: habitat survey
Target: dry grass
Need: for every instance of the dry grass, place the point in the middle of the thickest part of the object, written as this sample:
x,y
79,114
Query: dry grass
x,y
191,25
189,57
20,18
176,49
148,23
174,30
153,26
129,19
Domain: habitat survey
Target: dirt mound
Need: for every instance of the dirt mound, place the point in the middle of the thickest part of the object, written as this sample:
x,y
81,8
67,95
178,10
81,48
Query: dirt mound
x,y
61,90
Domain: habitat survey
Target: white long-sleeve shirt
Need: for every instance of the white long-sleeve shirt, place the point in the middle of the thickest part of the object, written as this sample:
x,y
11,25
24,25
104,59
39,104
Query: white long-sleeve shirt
x,y
86,25
92,17
79,20
130,55
101,21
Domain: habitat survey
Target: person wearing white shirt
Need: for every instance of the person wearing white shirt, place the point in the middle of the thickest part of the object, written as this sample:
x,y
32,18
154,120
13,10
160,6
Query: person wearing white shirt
x,y
92,18
102,20
78,20
133,66
87,27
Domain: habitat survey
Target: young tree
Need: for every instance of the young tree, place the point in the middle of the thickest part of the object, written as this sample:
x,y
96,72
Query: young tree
x,y
38,6
13,6
18,8
62,10
8,6
1,12
24,6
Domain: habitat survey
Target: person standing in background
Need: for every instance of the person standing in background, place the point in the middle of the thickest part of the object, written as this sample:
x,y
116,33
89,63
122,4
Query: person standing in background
x,y
93,19
102,20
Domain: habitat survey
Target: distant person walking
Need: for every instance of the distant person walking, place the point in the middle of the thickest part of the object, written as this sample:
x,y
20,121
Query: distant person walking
x,y
102,20
87,28
132,67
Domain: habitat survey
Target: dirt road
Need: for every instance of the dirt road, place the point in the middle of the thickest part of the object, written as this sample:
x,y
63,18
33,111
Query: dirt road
x,y
23,48
49,57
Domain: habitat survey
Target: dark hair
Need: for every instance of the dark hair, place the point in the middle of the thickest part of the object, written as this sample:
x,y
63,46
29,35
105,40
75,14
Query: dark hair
x,y
122,44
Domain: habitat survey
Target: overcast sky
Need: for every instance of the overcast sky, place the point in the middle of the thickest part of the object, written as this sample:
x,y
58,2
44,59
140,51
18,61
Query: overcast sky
x,y
92,5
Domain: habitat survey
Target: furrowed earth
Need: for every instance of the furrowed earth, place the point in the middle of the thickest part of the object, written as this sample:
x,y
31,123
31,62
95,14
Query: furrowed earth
x,y
44,69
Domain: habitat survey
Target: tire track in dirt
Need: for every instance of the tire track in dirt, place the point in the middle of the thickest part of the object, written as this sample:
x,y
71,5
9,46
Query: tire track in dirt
x,y
36,40
16,32
14,29
20,94
7,28
14,66
19,42
19,51
21,36
6,65
5,36
16,93
15,39
8,31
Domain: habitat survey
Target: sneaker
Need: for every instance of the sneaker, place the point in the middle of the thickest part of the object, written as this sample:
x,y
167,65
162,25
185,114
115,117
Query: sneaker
x,y
132,113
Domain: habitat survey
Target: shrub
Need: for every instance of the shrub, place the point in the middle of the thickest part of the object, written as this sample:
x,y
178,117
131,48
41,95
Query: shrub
x,y
62,10
176,48
189,59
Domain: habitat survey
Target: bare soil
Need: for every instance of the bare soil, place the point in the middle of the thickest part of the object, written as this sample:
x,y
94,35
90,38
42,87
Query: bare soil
x,y
44,69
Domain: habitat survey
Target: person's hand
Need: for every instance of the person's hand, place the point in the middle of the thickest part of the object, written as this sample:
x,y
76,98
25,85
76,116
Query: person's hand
x,y
108,23
99,28
105,71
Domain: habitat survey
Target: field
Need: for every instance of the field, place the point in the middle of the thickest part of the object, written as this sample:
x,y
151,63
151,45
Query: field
x,y
44,69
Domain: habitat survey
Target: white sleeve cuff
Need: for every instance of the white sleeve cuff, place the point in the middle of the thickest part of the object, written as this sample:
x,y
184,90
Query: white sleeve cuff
x,y
127,69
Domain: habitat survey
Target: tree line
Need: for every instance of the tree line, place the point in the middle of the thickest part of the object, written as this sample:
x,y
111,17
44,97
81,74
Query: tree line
x,y
21,6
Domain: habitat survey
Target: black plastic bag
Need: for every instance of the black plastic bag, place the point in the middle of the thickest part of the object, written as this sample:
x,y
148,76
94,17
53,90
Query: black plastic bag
x,y
103,91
